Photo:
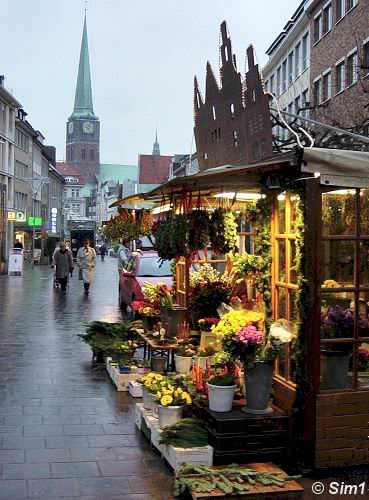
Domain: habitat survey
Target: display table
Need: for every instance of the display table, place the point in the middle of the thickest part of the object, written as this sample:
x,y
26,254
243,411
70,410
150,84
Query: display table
x,y
240,437
153,348
291,489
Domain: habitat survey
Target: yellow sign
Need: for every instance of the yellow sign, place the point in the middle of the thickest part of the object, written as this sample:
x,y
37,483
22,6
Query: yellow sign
x,y
11,215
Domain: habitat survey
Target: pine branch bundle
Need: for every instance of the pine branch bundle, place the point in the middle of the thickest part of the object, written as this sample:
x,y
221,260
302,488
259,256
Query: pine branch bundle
x,y
187,433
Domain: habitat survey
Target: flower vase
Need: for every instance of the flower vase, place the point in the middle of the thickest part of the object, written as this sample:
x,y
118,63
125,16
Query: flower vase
x,y
169,415
258,387
173,318
183,364
334,366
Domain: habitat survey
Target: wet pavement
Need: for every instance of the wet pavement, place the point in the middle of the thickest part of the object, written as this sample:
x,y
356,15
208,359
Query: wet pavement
x,y
64,430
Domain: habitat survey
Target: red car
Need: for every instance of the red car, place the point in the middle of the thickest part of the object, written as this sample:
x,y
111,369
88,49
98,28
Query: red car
x,y
142,268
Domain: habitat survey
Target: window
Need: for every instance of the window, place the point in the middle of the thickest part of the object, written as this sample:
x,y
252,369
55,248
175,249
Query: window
x,y
305,51
351,69
318,91
340,76
11,119
297,104
284,75
327,86
365,64
83,153
266,84
92,154
350,4
77,193
235,138
21,141
232,110
327,18
318,27
297,60
214,114
305,103
271,84
290,68
72,193
278,90
340,9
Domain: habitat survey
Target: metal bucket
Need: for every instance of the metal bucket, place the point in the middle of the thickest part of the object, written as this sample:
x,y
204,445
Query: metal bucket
x,y
169,415
258,385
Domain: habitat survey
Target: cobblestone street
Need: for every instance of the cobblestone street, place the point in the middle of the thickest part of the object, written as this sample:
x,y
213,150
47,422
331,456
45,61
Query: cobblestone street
x,y
64,430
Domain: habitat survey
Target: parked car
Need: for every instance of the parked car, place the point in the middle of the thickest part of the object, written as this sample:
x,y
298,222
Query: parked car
x,y
141,268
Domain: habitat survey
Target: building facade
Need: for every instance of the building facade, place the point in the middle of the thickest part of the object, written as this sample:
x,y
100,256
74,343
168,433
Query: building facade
x,y
74,202
339,72
8,109
287,73
83,126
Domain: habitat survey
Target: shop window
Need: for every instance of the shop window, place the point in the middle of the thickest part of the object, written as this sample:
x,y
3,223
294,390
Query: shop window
x,y
345,290
284,274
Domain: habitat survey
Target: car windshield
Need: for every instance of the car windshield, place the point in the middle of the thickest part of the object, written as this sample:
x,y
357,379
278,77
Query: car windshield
x,y
150,267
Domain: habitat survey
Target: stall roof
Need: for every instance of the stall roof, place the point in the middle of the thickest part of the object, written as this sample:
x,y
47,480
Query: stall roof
x,y
340,168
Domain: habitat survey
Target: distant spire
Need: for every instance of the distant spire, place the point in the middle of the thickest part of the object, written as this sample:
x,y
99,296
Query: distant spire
x,y
156,147
83,107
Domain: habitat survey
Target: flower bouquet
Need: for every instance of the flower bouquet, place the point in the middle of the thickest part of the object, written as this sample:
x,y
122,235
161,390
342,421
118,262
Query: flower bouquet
x,y
206,324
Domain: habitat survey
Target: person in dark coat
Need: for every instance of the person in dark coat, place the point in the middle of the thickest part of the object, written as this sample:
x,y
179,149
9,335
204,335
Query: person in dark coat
x,y
63,262
103,251
18,244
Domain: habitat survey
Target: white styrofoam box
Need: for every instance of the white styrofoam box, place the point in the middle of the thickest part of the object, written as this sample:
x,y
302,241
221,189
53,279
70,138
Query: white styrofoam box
x,y
155,436
140,412
121,380
177,456
135,389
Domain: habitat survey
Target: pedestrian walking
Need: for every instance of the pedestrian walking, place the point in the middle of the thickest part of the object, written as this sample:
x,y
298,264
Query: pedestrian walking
x,y
103,251
63,262
86,260
124,253
18,244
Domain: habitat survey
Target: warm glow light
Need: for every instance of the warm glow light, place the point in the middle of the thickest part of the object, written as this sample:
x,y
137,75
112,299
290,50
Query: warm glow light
x,y
316,174
241,196
161,209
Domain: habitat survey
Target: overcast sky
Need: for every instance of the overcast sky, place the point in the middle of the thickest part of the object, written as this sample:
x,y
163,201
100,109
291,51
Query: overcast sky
x,y
143,57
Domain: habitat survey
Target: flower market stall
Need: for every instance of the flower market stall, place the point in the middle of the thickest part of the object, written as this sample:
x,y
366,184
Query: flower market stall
x,y
272,266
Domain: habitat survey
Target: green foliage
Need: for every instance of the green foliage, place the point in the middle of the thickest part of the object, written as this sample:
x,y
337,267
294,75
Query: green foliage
x,y
222,379
100,335
231,480
204,300
223,234
199,230
179,235
163,240
187,433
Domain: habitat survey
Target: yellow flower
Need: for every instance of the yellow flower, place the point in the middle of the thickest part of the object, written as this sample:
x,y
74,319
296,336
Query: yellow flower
x,y
186,397
166,400
163,383
176,393
170,387
147,383
158,395
158,377
179,390
151,375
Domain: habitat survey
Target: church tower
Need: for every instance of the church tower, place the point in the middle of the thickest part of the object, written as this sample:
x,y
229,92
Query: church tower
x,y
83,126
156,147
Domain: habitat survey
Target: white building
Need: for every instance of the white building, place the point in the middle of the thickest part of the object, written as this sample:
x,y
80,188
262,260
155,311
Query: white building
x,y
287,73
73,189
8,107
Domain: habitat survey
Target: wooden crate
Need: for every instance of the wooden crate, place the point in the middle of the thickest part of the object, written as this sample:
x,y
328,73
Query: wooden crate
x,y
291,489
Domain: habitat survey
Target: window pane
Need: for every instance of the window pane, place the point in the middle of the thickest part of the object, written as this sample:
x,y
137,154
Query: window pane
x,y
282,309
293,273
338,263
281,276
339,212
335,370
337,315
363,366
364,211
364,264
281,214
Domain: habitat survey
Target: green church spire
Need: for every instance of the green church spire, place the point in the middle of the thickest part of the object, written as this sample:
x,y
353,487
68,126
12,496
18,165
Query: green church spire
x,y
83,107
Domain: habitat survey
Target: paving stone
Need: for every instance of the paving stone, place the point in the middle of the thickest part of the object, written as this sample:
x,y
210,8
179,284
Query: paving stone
x,y
120,428
41,410
11,489
23,420
12,457
61,419
122,468
104,486
43,430
131,453
106,440
92,454
11,430
66,442
21,443
83,430
26,471
77,469
46,488
47,455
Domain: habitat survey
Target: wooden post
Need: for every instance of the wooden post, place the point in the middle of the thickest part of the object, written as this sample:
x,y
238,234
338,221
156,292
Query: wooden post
x,y
313,263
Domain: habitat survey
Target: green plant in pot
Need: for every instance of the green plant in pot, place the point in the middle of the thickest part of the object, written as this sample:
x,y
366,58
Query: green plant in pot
x,y
205,299
338,323
221,388
171,399
152,383
124,351
183,357
100,336
204,357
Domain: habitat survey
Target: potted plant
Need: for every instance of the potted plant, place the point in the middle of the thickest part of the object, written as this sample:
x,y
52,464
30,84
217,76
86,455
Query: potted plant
x,y
204,357
151,384
100,336
205,299
183,357
143,366
149,312
171,400
207,337
221,387
338,323
124,351
158,363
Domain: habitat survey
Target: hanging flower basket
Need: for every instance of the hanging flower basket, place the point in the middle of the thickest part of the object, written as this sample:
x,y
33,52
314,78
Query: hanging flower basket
x,y
224,231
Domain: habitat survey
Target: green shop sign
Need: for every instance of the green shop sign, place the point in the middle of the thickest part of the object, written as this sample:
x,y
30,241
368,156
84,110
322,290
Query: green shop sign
x,y
35,221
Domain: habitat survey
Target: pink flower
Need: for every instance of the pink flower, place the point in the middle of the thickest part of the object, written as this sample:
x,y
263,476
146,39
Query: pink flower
x,y
249,336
